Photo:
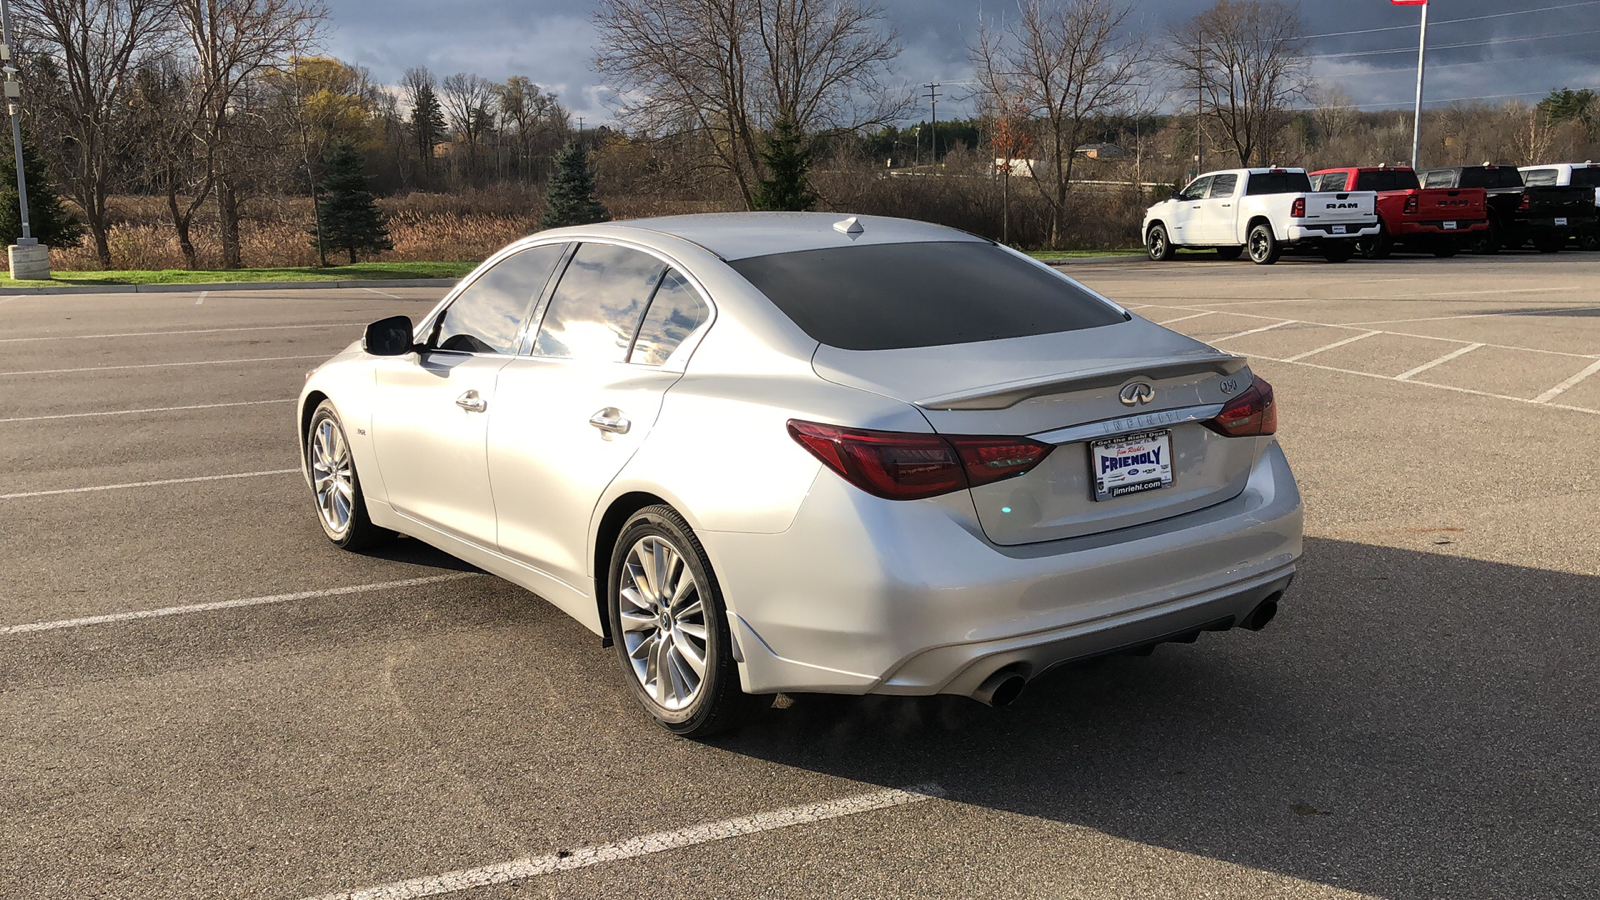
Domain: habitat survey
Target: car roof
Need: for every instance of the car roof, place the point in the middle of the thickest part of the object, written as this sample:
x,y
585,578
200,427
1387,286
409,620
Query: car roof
x,y
742,235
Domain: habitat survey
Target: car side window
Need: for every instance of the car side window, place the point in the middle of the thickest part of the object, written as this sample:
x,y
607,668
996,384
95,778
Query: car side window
x,y
1222,187
487,317
597,305
675,312
1439,180
1540,177
1196,189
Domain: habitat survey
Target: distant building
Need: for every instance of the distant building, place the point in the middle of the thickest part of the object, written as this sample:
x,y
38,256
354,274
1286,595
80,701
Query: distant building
x,y
1020,168
1102,151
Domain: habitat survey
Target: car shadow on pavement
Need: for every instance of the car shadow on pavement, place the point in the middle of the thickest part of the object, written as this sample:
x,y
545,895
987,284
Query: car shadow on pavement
x,y
1414,724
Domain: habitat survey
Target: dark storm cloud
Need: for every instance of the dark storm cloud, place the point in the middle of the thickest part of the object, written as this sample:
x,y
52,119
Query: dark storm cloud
x,y
549,41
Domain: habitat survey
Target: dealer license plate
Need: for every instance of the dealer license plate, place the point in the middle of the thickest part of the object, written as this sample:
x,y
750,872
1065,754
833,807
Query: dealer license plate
x,y
1449,226
1131,464
1561,221
1339,229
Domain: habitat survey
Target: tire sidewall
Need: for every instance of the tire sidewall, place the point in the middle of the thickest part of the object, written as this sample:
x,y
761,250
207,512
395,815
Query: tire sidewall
x,y
1270,254
720,669
354,531
1157,244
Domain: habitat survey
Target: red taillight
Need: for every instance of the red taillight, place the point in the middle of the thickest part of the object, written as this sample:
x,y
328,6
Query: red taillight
x,y
1251,414
1411,204
1527,201
1299,208
909,466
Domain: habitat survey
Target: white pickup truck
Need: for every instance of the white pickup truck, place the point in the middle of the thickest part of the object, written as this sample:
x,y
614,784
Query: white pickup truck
x,y
1264,211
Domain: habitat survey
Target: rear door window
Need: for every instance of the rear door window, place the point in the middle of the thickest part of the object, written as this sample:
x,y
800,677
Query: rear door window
x,y
1223,186
488,315
894,296
597,305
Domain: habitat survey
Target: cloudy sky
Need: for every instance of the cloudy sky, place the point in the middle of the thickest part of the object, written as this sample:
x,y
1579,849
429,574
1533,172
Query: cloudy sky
x,y
1524,47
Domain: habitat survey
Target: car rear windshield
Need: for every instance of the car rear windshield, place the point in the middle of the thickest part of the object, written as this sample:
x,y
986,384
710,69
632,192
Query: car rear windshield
x,y
1587,177
1497,177
894,296
1278,183
1387,181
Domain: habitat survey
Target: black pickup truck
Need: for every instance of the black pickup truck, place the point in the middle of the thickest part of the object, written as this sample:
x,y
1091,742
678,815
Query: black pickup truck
x,y
1518,214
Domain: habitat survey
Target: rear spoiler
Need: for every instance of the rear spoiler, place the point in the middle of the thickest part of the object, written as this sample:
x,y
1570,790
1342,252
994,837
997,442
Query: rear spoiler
x,y
1010,393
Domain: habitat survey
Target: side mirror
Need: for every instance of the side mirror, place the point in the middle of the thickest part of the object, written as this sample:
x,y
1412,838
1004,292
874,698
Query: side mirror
x,y
389,337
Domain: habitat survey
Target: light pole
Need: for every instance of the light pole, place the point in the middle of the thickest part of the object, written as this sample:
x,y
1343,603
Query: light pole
x,y
29,259
1422,63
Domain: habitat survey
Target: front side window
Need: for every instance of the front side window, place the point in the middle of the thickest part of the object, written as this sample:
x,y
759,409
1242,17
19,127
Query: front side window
x,y
1196,189
487,316
675,312
893,296
1223,186
598,303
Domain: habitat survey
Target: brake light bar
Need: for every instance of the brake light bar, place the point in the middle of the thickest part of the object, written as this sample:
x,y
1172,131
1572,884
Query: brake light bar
x,y
1253,413
910,465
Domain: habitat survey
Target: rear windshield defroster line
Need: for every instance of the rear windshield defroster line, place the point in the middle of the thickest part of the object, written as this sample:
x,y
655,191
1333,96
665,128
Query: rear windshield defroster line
x,y
931,294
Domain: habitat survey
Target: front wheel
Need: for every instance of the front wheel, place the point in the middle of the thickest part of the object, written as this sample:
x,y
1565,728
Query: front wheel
x,y
1157,244
1264,247
669,626
335,486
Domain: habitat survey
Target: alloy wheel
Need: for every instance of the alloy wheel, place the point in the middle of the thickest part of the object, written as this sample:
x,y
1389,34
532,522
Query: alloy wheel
x,y
332,476
663,618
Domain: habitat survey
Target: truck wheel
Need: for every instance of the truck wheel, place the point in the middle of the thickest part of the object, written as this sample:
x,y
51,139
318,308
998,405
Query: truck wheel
x,y
1589,240
1340,252
1264,248
1446,248
1549,243
1157,244
1489,243
1378,247
1229,253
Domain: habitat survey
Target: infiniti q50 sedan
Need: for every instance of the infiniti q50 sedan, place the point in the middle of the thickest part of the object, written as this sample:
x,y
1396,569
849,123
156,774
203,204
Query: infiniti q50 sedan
x,y
762,453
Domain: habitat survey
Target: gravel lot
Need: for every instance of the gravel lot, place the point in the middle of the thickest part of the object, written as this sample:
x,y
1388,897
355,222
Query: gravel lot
x,y
1421,720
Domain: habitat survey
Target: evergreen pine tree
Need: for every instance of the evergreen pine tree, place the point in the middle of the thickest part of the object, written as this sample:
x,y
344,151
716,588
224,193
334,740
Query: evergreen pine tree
x,y
427,124
350,220
570,200
787,157
48,219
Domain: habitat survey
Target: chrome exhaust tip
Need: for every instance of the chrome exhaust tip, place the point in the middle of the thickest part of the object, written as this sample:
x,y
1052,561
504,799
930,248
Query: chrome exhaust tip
x,y
1000,689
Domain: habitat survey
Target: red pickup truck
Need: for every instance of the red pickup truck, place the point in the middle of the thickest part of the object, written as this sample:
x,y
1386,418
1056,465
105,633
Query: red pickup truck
x,y
1436,220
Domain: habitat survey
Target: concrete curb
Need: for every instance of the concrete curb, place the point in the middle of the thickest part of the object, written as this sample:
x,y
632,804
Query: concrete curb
x,y
442,283
1086,260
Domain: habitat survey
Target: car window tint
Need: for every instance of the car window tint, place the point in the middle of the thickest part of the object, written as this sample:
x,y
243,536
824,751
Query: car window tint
x,y
1587,176
1223,186
1386,181
892,296
1196,189
487,316
675,312
1442,180
598,303
1333,181
1540,177
1278,183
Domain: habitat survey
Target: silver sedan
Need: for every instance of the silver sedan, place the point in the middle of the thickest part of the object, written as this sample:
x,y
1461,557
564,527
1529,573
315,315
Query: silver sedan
x,y
762,453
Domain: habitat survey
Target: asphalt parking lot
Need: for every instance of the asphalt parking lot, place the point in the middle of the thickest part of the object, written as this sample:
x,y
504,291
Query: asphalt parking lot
x,y
200,697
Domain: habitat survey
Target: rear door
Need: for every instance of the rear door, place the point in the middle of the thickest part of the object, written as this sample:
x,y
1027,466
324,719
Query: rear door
x,y
577,406
431,412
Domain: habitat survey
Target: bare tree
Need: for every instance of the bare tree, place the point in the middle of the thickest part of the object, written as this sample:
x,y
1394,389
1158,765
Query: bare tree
x,y
92,49
469,105
731,68
1242,59
531,118
234,42
1068,65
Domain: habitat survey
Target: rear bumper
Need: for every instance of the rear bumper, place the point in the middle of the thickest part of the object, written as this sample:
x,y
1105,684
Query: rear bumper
x,y
871,596
1308,234
1409,230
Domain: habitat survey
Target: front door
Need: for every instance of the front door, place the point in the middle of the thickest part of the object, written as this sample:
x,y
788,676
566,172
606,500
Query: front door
x,y
574,412
1213,222
431,412
1187,209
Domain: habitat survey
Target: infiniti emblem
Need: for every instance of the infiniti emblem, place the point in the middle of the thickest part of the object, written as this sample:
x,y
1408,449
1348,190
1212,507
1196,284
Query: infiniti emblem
x,y
1136,393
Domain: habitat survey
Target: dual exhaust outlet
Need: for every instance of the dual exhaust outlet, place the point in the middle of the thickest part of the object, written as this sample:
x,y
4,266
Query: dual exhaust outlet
x,y
1004,686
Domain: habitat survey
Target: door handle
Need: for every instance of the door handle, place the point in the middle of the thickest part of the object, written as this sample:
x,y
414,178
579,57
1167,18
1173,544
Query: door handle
x,y
610,420
471,402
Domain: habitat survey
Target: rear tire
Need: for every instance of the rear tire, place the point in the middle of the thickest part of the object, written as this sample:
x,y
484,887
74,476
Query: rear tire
x,y
668,620
1379,247
1264,247
1230,253
1489,243
335,485
1158,244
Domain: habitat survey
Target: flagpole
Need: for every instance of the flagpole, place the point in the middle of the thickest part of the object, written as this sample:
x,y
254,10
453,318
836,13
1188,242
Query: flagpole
x,y
1422,60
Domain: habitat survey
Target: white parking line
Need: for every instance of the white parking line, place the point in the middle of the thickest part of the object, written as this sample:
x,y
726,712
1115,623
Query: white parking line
x,y
1520,312
9,299
1348,340
202,298
140,484
1463,351
1186,318
124,334
659,842
384,293
1255,330
203,362
1443,387
1567,385
129,412
110,618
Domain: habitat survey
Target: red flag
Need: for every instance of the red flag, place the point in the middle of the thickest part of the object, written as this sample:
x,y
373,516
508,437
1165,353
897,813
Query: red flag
x,y
1409,2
